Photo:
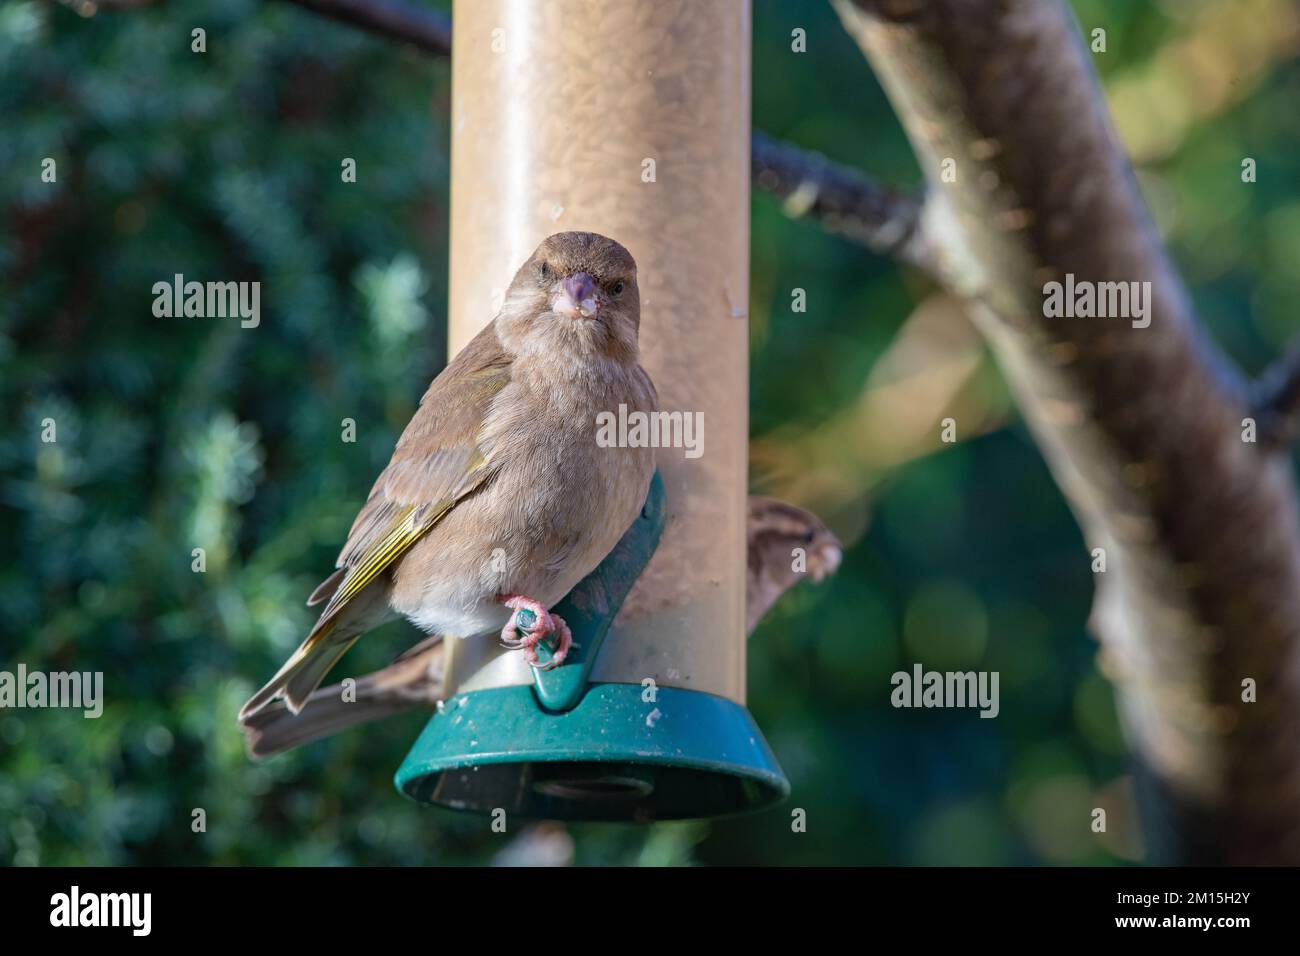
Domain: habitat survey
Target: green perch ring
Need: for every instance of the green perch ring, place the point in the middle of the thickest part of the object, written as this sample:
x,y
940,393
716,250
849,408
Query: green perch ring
x,y
565,748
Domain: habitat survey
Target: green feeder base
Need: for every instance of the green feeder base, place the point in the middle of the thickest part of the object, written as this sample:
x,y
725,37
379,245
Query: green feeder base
x,y
612,757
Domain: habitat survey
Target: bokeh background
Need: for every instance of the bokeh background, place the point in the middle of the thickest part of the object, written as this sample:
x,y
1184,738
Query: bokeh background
x,y
176,431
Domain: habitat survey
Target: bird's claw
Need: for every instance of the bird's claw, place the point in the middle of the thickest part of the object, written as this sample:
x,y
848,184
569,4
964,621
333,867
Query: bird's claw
x,y
564,643
529,626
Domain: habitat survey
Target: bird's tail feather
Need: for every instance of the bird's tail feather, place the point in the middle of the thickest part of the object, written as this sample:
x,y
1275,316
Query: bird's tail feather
x,y
303,672
275,728
299,685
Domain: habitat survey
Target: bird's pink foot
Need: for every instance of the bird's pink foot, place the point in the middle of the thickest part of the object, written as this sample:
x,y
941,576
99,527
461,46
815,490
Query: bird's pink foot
x,y
531,620
535,624
563,641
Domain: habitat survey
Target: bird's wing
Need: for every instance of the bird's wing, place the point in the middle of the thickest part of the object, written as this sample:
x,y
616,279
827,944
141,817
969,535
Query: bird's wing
x,y
437,463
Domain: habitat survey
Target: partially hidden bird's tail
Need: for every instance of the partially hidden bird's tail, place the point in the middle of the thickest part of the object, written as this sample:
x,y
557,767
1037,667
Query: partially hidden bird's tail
x,y
275,728
411,682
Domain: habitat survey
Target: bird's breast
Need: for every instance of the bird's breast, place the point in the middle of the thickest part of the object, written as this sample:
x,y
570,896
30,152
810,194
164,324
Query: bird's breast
x,y
557,503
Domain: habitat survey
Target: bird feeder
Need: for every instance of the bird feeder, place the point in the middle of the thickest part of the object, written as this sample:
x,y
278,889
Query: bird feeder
x,y
631,120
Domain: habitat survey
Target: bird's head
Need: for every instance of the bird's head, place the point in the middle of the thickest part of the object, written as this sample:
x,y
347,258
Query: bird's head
x,y
576,294
777,531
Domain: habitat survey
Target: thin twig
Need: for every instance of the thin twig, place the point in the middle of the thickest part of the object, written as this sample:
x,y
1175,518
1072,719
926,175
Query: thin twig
x,y
428,30
841,199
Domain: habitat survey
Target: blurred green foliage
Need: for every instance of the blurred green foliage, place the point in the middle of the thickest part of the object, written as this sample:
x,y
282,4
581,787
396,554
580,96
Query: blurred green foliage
x,y
227,166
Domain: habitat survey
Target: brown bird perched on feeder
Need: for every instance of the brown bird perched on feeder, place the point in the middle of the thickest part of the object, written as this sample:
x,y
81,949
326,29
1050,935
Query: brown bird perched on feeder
x,y
777,532
498,499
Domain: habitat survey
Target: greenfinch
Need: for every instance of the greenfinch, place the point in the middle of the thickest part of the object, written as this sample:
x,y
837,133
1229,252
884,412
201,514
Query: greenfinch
x,y
499,498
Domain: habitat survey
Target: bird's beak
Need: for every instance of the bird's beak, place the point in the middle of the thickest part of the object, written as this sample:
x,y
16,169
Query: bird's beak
x,y
830,556
575,296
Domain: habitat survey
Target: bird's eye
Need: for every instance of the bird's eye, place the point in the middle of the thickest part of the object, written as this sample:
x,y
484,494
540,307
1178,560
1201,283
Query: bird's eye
x,y
544,270
617,288
808,536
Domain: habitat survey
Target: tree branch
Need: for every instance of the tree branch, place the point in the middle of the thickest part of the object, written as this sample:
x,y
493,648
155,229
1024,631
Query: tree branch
x,y
841,199
1141,426
425,29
